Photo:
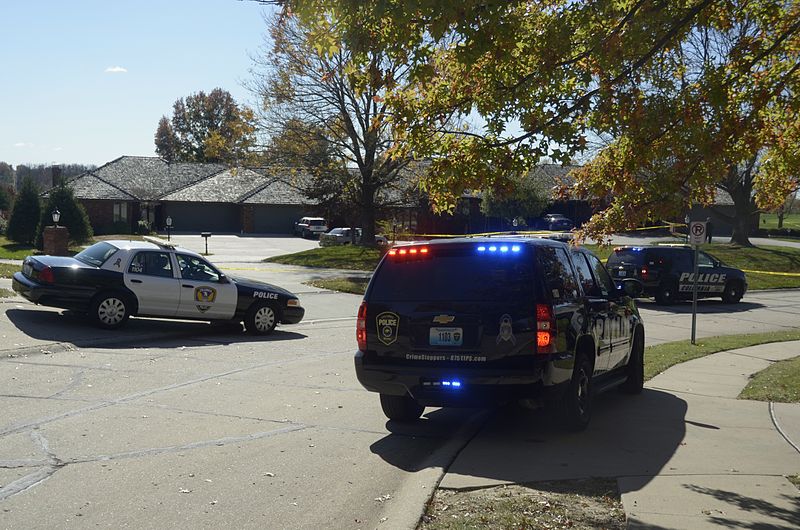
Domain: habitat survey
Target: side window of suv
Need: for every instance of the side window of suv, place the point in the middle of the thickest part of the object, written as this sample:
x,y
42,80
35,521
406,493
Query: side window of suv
x,y
585,274
558,274
604,280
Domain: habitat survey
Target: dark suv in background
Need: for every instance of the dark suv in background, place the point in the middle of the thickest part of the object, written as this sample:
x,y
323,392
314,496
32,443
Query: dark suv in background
x,y
465,322
667,273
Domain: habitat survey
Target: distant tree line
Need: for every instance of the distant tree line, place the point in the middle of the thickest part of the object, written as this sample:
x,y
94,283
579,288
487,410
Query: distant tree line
x,y
40,174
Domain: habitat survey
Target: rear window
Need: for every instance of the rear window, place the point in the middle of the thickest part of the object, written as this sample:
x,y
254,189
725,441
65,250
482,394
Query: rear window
x,y
626,256
96,254
455,274
317,222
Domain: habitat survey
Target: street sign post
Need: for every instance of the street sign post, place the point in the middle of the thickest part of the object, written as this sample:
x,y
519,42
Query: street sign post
x,y
697,236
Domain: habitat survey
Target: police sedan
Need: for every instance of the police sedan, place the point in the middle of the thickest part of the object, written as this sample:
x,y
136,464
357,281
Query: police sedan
x,y
113,280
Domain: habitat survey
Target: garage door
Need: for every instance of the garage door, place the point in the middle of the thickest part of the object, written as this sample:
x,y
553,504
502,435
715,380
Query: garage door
x,y
276,219
204,217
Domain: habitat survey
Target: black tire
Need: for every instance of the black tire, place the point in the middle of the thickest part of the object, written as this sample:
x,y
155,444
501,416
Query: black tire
x,y
667,292
261,319
401,408
635,369
733,292
576,404
110,310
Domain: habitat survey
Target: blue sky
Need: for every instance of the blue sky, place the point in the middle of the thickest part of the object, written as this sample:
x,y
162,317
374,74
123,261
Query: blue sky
x,y
86,81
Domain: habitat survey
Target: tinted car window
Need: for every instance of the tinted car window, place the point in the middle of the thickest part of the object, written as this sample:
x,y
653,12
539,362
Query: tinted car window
x,y
455,274
559,277
604,280
97,254
151,264
627,256
584,274
704,260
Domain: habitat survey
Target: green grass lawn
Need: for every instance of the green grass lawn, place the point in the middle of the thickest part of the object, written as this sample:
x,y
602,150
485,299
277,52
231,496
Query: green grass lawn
x,y
11,250
352,285
342,257
780,382
5,293
770,220
7,270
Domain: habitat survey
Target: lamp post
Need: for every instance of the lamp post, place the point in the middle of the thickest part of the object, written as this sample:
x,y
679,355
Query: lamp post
x,y
56,216
169,226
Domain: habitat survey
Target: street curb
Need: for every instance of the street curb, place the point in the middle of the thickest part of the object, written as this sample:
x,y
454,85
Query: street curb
x,y
413,497
777,425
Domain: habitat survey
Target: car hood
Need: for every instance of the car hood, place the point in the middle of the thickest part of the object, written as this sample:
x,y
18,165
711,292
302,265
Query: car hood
x,y
255,284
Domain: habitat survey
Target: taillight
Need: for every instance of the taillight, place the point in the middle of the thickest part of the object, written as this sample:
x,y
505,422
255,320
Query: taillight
x,y
545,329
361,327
644,274
46,275
407,253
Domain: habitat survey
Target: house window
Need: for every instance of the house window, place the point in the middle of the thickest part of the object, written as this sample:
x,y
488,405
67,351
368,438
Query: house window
x,y
120,211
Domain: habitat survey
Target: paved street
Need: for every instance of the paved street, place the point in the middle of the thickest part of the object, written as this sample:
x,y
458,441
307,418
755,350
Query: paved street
x,y
167,423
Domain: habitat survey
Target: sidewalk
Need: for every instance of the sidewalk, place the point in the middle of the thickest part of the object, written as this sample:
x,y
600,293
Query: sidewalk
x,y
686,453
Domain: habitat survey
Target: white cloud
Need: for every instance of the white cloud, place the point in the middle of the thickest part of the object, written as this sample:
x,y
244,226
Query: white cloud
x,y
116,70
23,144
58,149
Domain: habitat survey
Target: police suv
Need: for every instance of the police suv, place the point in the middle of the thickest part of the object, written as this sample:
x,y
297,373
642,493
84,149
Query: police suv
x,y
467,321
667,273
113,280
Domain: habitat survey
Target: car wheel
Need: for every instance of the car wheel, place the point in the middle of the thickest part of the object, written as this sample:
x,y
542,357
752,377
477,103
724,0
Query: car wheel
x,y
635,369
666,293
401,408
110,310
576,405
261,319
733,293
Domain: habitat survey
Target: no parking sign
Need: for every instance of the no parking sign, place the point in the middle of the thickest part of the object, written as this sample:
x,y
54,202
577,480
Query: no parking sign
x,y
697,232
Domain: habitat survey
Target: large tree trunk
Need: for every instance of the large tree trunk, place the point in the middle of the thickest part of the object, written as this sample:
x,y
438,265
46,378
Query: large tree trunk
x,y
739,185
367,216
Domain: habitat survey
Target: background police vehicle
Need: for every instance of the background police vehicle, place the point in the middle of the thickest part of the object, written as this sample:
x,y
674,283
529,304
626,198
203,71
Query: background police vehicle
x,y
667,273
113,280
468,321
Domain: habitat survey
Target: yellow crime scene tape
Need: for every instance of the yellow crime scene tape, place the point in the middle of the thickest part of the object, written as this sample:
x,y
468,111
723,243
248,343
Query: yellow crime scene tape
x,y
795,274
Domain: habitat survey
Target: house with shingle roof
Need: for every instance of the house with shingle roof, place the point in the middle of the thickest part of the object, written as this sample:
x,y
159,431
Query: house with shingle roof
x,y
197,196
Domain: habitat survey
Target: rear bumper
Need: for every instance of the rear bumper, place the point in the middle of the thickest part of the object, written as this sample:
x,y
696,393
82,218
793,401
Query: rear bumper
x,y
475,385
292,315
51,295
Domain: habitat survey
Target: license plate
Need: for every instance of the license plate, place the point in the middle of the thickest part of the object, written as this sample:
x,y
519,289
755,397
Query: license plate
x,y
446,337
27,269
622,274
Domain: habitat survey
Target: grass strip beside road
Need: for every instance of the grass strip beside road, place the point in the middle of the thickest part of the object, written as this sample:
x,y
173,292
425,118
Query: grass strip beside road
x,y
350,284
779,383
11,250
7,270
590,503
662,356
5,293
346,257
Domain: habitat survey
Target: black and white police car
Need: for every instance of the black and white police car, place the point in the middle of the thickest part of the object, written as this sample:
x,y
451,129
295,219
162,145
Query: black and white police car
x,y
113,280
667,273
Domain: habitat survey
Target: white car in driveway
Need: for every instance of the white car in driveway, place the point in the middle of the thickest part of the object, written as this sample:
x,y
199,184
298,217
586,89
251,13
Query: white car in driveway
x,y
310,227
344,236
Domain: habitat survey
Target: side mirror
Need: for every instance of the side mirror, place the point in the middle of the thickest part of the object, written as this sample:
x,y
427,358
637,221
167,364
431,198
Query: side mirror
x,y
632,287
223,278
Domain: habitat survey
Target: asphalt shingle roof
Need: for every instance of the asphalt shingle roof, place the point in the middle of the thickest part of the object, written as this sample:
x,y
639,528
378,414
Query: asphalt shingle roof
x,y
226,186
89,186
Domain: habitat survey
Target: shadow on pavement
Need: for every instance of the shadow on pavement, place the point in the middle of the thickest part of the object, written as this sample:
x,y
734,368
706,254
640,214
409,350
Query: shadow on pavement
x,y
74,328
628,436
751,505
703,306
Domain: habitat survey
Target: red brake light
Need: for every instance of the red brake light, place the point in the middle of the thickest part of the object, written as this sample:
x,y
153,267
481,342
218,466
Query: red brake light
x,y
644,273
46,275
545,329
409,253
361,327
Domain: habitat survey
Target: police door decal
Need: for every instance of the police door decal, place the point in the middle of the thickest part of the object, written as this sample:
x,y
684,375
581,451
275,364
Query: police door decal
x,y
206,296
706,282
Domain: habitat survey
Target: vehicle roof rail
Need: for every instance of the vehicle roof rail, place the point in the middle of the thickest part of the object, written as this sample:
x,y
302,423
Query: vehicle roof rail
x,y
163,243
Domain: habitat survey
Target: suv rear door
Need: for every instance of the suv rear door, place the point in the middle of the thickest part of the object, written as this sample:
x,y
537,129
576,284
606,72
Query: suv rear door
x,y
454,304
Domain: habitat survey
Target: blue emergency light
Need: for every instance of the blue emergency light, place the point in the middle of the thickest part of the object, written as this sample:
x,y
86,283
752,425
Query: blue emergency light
x,y
503,248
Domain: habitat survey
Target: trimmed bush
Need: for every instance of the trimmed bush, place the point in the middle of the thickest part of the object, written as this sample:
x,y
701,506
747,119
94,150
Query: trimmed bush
x,y
25,214
73,216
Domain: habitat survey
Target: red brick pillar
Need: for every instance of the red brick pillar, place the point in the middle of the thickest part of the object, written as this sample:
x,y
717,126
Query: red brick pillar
x,y
247,218
55,239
